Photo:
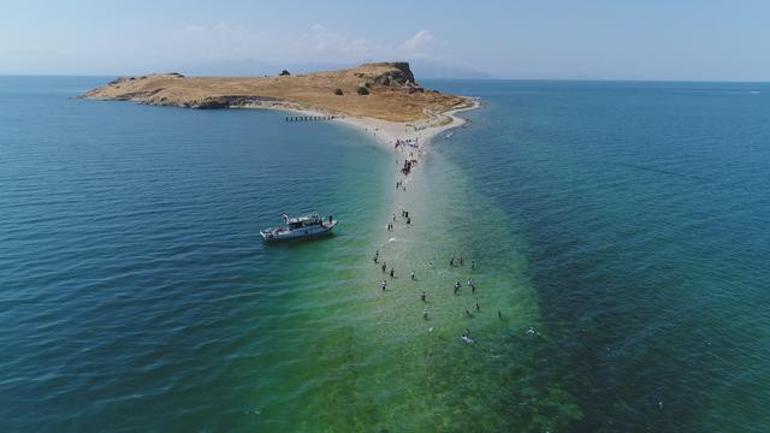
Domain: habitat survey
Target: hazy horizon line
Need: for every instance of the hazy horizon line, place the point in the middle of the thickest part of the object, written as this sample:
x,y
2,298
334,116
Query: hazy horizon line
x,y
491,78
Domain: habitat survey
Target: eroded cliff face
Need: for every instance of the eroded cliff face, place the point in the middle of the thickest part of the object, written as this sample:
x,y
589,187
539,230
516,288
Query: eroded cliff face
x,y
385,91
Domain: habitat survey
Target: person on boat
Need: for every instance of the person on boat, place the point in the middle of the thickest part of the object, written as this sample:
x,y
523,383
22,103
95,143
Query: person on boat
x,y
461,260
425,314
392,273
408,220
394,217
384,266
452,261
473,264
467,313
330,219
423,296
457,287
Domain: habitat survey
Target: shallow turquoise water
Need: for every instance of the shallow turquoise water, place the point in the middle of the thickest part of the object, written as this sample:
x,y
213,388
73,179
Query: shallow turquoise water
x,y
625,222
645,208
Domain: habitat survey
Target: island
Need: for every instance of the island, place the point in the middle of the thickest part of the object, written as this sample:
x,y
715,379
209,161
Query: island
x,y
376,97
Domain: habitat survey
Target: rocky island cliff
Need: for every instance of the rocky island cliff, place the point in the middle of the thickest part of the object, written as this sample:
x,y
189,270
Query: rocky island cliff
x,y
385,91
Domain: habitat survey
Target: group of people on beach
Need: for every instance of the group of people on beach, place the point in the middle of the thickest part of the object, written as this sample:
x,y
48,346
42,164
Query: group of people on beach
x,y
423,295
410,142
408,165
454,261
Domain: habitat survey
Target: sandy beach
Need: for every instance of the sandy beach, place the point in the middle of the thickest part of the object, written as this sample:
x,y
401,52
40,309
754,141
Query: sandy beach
x,y
383,131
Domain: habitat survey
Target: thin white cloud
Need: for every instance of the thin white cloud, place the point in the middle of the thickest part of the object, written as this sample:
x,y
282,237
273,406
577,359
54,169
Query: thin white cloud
x,y
318,43
325,40
420,42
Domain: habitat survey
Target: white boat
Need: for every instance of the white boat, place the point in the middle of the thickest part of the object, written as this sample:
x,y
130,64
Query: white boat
x,y
303,227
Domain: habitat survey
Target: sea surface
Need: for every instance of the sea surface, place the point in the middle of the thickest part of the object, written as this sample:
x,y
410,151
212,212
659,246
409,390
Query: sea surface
x,y
617,234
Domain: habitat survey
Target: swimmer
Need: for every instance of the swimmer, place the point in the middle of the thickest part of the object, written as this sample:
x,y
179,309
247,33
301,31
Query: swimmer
x,y
392,274
423,297
478,308
413,277
452,261
384,285
384,266
461,260
425,314
473,264
500,314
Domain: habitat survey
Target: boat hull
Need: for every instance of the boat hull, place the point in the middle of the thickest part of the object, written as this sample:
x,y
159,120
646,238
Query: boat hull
x,y
278,235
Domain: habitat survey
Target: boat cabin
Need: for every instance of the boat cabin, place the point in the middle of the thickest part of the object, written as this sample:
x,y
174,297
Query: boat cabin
x,y
304,221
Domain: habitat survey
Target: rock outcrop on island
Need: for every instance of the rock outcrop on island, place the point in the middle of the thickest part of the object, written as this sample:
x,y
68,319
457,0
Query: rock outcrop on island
x,y
386,91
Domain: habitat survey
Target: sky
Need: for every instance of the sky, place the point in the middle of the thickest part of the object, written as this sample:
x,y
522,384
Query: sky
x,y
529,39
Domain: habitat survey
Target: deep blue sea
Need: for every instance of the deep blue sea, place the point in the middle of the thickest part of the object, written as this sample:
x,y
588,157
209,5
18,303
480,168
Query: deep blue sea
x,y
627,223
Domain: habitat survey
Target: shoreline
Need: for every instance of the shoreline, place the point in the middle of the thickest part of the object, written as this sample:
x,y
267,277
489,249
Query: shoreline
x,y
387,132
384,132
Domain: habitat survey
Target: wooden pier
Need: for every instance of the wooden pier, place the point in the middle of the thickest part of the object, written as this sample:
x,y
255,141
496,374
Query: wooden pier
x,y
309,118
